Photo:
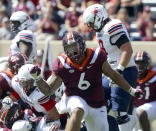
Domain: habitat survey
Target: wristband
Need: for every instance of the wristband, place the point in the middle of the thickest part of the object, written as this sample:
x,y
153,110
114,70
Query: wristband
x,y
132,91
120,67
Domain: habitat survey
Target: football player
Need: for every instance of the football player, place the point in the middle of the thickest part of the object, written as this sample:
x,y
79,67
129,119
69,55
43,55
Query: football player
x,y
113,38
145,107
19,21
13,117
14,63
81,69
25,41
25,89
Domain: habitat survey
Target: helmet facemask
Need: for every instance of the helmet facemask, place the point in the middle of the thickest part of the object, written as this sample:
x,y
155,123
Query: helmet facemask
x,y
17,26
98,21
19,21
27,85
14,26
75,50
142,68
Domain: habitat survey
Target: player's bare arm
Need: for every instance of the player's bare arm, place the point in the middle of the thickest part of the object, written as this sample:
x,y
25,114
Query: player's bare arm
x,y
126,54
115,76
119,80
49,87
53,114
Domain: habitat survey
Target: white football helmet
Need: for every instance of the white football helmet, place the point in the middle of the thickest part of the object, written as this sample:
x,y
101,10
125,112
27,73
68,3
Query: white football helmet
x,y
24,72
19,21
94,16
21,125
7,102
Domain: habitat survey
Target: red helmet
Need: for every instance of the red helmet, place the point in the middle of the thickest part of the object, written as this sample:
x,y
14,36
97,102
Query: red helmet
x,y
77,44
15,62
143,61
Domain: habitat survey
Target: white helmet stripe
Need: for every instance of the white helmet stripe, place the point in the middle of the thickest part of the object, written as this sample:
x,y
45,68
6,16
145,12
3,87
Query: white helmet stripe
x,y
70,38
139,55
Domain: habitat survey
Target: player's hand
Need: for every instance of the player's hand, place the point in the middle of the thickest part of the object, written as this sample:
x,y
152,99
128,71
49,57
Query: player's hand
x,y
138,93
35,72
7,102
55,126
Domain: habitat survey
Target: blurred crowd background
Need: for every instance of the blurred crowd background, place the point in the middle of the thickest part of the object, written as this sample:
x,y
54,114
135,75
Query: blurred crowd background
x,y
52,18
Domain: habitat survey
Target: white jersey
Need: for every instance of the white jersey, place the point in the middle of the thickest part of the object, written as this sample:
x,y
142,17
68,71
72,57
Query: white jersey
x,y
36,100
28,36
108,41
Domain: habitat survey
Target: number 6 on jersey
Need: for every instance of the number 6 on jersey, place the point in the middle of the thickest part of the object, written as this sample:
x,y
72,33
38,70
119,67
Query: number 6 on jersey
x,y
83,84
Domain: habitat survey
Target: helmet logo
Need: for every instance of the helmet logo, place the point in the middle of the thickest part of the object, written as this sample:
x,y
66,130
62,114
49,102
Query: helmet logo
x,y
95,11
70,37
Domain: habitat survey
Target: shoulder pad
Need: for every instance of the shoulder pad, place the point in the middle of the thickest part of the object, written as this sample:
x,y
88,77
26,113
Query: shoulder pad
x,y
114,27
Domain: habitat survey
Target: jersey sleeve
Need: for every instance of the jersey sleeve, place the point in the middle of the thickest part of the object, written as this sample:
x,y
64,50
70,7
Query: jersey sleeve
x,y
15,86
4,84
102,57
118,34
47,102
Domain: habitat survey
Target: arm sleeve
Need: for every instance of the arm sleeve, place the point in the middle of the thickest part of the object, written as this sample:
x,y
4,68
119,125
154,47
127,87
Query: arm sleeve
x,y
122,40
48,105
118,34
102,57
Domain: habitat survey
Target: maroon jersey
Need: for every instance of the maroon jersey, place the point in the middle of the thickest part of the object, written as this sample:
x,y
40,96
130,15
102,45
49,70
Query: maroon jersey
x,y
148,86
5,82
83,80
